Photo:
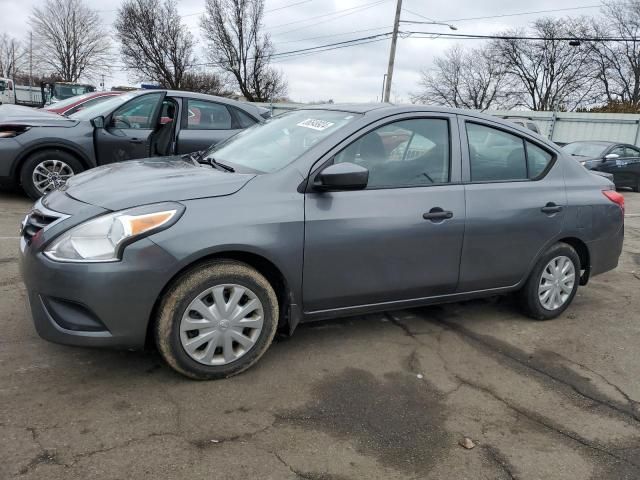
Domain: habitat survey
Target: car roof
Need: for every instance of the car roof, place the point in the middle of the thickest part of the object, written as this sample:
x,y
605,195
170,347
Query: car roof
x,y
597,142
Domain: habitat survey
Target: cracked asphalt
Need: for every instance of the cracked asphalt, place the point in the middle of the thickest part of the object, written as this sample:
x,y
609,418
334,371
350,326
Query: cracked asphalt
x,y
379,397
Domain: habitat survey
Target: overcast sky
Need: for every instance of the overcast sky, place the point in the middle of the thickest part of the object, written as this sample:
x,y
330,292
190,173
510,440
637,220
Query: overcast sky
x,y
348,74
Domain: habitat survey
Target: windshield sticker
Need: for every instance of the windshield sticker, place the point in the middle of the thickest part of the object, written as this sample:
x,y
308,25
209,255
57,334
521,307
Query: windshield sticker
x,y
315,124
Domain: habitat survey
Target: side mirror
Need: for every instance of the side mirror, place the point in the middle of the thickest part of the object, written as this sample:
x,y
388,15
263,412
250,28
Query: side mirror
x,y
98,122
342,176
611,156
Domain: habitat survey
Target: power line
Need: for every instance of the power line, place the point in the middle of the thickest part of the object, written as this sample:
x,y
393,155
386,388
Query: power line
x,y
584,7
334,35
357,8
287,6
463,36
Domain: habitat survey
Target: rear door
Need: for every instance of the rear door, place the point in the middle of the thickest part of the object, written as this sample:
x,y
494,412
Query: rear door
x,y
515,201
128,130
400,238
204,124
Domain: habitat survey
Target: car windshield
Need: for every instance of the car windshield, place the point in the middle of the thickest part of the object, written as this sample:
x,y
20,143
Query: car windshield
x,y
585,149
102,108
272,145
3,85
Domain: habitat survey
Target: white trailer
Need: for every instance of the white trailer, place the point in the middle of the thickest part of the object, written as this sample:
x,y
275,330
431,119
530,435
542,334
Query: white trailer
x,y
10,93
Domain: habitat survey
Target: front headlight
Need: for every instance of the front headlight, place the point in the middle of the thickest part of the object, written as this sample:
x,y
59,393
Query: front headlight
x,y
103,238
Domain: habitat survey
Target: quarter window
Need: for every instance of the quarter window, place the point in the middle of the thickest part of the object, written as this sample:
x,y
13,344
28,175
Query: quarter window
x,y
537,160
498,156
402,154
244,119
203,115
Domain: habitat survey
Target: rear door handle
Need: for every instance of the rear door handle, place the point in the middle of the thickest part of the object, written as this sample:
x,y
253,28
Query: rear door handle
x,y
437,214
551,208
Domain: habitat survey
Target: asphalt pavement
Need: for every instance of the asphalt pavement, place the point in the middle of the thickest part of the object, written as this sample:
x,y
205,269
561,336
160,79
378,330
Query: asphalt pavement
x,y
387,396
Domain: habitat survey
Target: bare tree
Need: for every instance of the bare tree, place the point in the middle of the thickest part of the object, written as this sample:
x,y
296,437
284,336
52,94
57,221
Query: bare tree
x,y
237,46
463,79
617,64
13,57
205,82
155,45
548,74
69,39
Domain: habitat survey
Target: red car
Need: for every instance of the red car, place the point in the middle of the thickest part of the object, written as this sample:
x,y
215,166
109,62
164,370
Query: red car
x,y
74,104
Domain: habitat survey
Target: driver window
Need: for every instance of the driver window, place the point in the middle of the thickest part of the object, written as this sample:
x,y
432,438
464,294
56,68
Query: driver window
x,y
403,154
618,151
138,113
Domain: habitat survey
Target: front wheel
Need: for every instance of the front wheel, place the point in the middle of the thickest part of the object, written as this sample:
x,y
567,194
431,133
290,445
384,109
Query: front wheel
x,y
47,170
216,320
553,283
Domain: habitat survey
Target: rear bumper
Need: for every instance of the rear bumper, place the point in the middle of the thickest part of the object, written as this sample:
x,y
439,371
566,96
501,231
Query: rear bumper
x,y
605,253
95,304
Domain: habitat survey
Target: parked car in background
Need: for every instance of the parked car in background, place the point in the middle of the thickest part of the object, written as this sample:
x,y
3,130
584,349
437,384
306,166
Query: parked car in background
x,y
618,159
77,103
321,212
41,150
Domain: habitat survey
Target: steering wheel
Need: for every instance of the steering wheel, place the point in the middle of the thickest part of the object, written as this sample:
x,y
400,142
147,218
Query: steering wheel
x,y
122,120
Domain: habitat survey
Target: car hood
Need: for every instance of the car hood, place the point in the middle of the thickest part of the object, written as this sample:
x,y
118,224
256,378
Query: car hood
x,y
19,115
151,180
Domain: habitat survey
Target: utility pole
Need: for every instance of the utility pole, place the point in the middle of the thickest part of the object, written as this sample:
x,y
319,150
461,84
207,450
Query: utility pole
x,y
392,53
30,60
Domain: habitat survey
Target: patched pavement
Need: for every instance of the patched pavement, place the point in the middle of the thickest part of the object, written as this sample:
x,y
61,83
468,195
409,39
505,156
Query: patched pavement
x,y
378,397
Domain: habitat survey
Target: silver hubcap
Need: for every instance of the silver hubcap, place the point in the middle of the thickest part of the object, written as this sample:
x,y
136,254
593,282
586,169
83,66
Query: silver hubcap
x,y
50,175
221,325
556,283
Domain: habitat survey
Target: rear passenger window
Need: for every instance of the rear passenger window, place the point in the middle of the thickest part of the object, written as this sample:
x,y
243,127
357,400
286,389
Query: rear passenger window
x,y
202,115
497,156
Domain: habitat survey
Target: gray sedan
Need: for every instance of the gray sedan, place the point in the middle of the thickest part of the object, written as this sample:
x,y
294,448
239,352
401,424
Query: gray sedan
x,y
318,213
41,150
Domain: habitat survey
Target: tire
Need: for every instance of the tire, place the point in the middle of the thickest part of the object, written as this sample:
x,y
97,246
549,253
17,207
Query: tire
x,y
54,160
637,187
172,334
530,295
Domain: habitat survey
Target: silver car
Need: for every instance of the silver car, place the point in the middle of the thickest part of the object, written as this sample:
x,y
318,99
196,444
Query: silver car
x,y
322,212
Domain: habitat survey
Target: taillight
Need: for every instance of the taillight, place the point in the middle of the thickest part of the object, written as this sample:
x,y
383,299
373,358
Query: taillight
x,y
615,197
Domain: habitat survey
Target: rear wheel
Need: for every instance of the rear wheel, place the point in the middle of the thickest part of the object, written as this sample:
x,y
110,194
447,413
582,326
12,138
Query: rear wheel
x,y
217,320
47,170
552,284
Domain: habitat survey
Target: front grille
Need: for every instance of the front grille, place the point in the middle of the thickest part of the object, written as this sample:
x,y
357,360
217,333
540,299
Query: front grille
x,y
38,219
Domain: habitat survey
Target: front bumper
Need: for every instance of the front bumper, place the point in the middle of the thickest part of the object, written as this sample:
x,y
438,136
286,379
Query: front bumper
x,y
95,304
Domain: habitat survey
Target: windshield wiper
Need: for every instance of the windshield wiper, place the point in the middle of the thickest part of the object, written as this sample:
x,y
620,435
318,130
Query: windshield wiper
x,y
216,163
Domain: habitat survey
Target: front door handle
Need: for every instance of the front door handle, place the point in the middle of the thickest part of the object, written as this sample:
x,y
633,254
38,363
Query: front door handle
x,y
550,208
437,214
136,140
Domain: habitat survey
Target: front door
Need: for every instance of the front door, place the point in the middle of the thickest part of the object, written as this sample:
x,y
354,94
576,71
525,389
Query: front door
x,y
129,129
515,202
625,168
400,238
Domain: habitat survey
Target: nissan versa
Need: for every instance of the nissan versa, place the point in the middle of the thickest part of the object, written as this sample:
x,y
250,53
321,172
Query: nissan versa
x,y
322,212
